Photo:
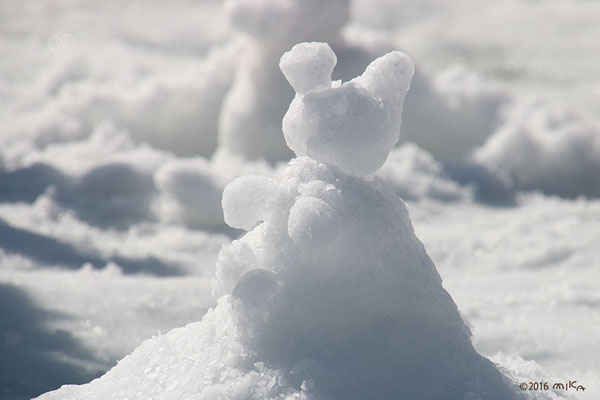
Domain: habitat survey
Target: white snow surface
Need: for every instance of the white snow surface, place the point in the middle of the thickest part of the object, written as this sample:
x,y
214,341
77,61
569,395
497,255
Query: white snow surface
x,y
113,158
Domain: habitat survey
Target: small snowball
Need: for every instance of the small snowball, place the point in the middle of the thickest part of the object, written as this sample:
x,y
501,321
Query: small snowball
x,y
324,191
312,223
308,66
248,201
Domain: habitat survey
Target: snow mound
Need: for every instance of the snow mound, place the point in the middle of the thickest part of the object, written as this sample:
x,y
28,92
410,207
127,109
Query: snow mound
x,y
328,295
105,179
451,113
548,148
414,175
353,125
190,193
331,296
332,284
176,110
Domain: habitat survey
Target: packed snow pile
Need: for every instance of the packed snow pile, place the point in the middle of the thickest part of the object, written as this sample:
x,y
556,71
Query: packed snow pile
x,y
451,113
548,148
176,110
329,294
415,175
190,193
104,179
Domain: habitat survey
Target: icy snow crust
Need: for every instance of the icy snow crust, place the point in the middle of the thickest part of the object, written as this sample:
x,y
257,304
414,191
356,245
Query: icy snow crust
x,y
329,294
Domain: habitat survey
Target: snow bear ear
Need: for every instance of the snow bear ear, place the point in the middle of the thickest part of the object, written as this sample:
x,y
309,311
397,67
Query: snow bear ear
x,y
249,200
389,78
308,66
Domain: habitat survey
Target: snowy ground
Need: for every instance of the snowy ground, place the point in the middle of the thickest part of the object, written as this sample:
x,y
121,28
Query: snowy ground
x,y
101,243
524,277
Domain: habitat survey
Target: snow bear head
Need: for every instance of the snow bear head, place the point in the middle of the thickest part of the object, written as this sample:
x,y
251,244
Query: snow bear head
x,y
351,125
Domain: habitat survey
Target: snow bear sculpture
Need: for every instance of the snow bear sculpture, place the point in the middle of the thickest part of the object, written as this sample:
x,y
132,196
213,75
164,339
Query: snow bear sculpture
x,y
329,295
